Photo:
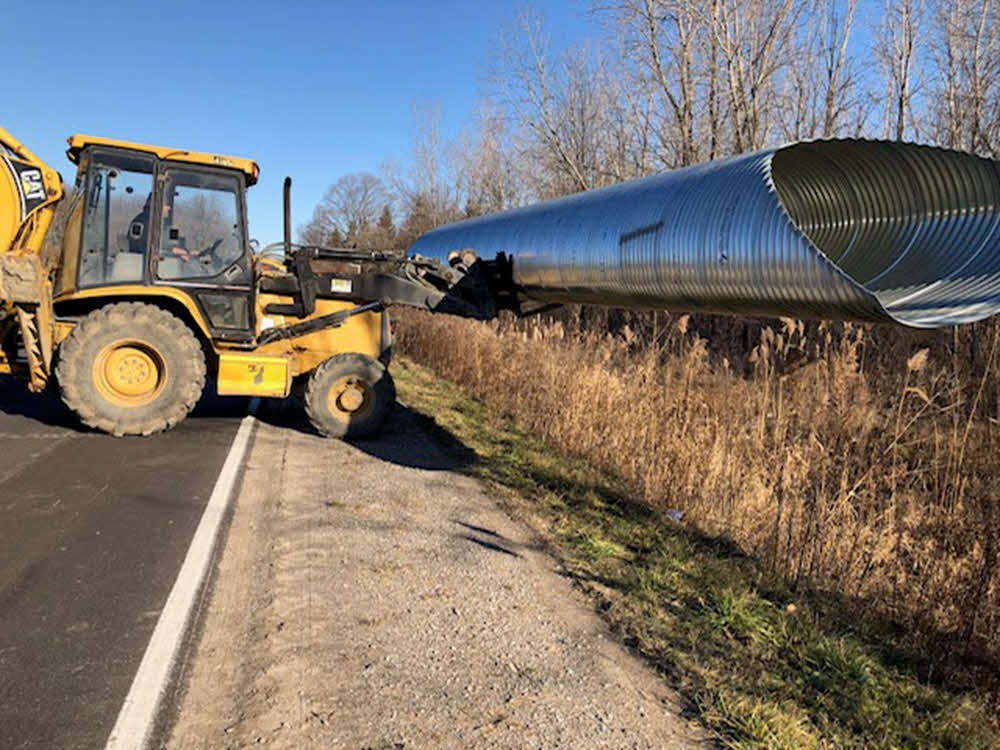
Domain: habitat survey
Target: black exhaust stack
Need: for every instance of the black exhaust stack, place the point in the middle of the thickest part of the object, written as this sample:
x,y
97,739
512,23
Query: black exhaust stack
x,y
288,215
303,290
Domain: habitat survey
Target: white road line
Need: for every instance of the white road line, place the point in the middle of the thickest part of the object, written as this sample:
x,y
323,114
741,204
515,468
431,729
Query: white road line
x,y
134,726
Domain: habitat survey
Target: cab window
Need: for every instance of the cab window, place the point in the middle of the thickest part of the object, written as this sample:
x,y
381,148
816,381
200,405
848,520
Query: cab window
x,y
116,220
201,233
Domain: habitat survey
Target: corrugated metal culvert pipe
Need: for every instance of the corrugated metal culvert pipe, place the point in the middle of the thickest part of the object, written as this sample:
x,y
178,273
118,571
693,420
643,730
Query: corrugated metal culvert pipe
x,y
862,230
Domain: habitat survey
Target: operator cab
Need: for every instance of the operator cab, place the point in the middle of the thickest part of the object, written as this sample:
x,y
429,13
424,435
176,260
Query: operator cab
x,y
150,216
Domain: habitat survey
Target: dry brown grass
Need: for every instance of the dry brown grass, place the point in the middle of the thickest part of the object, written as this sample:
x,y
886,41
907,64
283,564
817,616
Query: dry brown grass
x,y
858,462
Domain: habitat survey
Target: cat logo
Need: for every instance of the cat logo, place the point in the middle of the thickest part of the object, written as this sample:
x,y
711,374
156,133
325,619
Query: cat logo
x,y
32,185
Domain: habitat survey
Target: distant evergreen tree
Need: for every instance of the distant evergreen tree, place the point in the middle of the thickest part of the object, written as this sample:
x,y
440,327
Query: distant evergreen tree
x,y
419,220
336,239
384,236
385,222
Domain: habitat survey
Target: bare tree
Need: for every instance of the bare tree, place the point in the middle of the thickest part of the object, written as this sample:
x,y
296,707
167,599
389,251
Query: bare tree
x,y
897,49
821,88
630,129
428,178
662,36
425,188
487,173
754,40
348,210
713,75
553,100
839,79
966,87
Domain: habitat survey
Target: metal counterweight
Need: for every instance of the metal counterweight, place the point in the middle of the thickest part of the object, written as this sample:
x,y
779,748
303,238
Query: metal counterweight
x,y
849,229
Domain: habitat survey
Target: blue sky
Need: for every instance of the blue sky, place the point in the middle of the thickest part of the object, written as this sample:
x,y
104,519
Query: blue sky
x,y
310,89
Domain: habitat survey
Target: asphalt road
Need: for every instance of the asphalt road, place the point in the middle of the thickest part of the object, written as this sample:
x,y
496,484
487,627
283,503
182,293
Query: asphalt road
x,y
93,531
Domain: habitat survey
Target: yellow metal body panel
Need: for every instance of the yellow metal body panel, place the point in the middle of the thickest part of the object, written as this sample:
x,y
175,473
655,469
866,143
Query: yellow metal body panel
x,y
119,291
247,166
361,334
10,209
252,374
19,231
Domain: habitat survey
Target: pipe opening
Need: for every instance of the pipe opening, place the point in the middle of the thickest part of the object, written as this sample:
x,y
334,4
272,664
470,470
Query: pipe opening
x,y
918,227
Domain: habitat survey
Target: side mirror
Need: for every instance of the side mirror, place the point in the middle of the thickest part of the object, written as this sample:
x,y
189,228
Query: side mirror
x,y
255,247
135,230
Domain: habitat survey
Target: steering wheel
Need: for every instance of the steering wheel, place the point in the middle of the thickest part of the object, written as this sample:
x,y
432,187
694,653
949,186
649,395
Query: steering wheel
x,y
209,250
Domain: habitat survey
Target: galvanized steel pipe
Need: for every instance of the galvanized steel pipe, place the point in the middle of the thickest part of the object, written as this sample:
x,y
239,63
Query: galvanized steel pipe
x,y
850,229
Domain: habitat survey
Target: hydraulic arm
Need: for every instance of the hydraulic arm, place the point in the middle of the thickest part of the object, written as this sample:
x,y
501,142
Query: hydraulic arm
x,y
468,287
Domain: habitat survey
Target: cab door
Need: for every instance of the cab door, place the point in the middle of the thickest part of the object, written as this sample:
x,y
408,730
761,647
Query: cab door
x,y
116,219
201,246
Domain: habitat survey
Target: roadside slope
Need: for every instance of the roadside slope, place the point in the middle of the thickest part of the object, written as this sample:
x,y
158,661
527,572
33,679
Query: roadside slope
x,y
371,596
760,663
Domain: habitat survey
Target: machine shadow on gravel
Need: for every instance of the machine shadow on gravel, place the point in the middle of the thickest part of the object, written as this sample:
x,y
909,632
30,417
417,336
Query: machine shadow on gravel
x,y
408,438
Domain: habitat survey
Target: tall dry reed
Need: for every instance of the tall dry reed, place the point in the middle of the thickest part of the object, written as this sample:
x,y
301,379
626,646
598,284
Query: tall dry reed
x,y
863,463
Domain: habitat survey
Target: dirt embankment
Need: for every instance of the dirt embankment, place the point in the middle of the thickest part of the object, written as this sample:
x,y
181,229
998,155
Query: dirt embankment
x,y
371,597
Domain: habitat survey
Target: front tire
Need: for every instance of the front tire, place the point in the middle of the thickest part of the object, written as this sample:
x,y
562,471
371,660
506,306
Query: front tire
x,y
349,396
131,369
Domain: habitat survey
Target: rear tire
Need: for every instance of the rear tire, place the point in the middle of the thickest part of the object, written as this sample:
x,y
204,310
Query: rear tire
x,y
349,396
131,369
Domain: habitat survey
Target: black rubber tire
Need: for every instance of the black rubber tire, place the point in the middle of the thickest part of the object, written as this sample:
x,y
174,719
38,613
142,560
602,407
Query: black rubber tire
x,y
173,341
367,370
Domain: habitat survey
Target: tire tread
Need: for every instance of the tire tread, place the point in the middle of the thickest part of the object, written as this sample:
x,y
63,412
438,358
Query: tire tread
x,y
72,372
316,396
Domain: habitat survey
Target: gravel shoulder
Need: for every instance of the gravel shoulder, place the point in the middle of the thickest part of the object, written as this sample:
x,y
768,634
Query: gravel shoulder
x,y
370,596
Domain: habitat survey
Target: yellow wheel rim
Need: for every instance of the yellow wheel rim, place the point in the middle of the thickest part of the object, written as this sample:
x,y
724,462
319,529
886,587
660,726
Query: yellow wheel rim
x,y
350,398
129,373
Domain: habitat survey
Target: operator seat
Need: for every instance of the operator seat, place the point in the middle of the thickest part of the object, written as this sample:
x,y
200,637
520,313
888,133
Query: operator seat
x,y
127,267
170,268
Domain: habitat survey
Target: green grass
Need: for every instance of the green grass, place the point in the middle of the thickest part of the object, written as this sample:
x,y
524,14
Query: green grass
x,y
757,672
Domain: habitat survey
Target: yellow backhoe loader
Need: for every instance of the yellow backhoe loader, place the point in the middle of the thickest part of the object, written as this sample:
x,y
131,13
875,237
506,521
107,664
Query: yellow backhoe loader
x,y
154,288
